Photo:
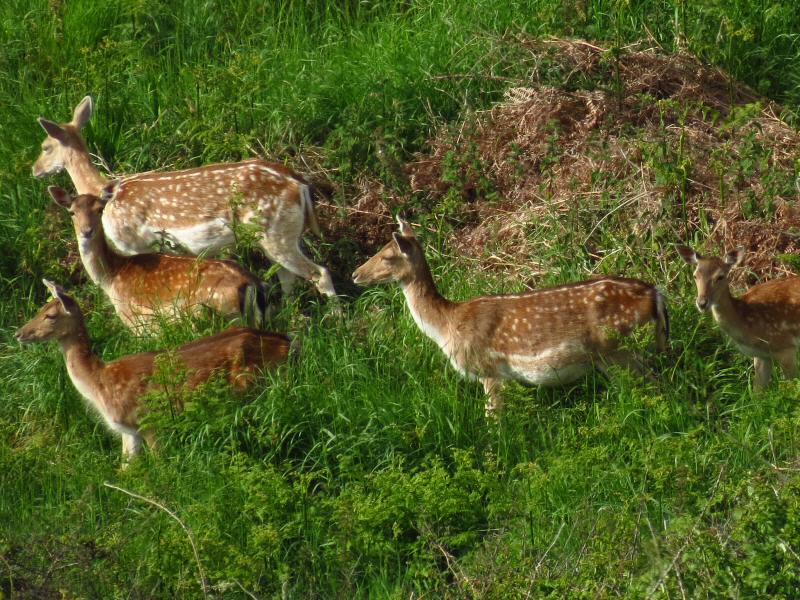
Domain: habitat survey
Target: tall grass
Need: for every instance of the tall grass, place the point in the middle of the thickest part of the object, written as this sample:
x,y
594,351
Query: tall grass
x,y
365,468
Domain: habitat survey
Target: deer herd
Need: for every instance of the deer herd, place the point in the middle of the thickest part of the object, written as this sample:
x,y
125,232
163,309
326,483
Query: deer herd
x,y
550,336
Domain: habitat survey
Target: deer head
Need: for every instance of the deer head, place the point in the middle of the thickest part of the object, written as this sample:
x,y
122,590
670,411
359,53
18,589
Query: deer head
x,y
711,274
63,141
396,261
56,320
86,211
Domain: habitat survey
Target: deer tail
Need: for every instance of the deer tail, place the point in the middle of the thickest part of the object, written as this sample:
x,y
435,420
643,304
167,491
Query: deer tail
x,y
661,318
253,304
307,192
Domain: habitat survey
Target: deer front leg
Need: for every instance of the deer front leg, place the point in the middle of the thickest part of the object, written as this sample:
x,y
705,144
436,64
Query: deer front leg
x,y
494,402
787,359
763,372
131,446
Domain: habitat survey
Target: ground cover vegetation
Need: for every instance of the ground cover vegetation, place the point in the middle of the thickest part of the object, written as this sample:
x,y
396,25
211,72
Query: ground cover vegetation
x,y
532,143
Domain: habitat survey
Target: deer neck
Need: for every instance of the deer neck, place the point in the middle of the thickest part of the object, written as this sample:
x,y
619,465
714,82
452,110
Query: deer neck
x,y
83,366
727,313
431,311
101,263
85,176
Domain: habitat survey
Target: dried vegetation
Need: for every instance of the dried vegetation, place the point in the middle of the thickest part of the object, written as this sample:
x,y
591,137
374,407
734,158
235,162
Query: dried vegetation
x,y
656,148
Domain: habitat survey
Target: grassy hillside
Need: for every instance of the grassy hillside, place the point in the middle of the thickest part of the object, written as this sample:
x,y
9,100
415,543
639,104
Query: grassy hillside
x,y
365,468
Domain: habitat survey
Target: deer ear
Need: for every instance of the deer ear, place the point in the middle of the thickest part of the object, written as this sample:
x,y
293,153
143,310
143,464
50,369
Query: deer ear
x,y
403,244
54,130
59,294
735,257
60,196
405,228
82,112
687,254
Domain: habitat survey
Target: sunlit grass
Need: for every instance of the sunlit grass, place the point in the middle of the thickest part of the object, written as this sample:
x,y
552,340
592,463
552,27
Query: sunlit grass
x,y
365,467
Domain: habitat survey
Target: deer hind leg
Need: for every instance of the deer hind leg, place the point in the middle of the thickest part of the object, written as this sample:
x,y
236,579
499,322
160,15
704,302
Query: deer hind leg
x,y
287,254
763,372
787,359
150,438
494,402
288,281
621,358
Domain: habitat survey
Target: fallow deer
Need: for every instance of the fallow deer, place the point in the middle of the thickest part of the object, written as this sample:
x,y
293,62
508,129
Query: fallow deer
x,y
548,337
764,323
115,389
145,287
195,210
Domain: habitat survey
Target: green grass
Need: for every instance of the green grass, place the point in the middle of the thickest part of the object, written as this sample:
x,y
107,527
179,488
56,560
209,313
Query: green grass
x,y
365,468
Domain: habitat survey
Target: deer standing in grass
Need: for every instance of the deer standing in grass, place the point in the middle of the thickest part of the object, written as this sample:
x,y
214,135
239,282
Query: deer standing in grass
x,y
548,337
115,389
145,287
764,323
196,210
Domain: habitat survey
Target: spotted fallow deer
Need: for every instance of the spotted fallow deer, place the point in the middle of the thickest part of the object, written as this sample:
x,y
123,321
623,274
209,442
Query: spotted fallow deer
x,y
146,287
115,389
548,337
195,210
764,323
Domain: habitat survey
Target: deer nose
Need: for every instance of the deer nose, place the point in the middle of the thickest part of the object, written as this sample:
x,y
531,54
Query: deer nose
x,y
702,304
87,232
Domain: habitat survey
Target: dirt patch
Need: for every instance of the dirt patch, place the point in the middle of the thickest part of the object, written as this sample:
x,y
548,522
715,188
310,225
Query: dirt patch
x,y
632,146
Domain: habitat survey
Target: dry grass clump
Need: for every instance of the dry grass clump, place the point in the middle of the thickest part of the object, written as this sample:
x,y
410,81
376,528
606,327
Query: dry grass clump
x,y
660,146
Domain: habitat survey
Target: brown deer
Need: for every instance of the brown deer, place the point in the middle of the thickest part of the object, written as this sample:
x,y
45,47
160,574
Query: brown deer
x,y
145,287
764,323
115,389
548,337
195,210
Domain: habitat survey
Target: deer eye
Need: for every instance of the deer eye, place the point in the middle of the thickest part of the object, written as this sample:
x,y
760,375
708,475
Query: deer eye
x,y
719,277
49,316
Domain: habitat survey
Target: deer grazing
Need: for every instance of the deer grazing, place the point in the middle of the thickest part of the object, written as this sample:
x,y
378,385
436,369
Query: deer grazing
x,y
548,337
145,287
764,323
195,210
115,389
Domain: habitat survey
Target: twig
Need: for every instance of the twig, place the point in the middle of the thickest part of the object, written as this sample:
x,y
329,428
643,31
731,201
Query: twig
x,y
10,576
499,78
688,539
189,534
241,587
540,562
550,547
455,569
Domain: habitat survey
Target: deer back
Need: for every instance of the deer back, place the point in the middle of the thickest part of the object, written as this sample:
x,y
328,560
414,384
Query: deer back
x,y
150,283
199,209
546,331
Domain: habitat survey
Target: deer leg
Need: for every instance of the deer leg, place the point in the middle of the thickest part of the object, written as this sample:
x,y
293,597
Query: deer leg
x,y
131,446
494,402
288,255
621,358
150,438
787,359
288,281
763,372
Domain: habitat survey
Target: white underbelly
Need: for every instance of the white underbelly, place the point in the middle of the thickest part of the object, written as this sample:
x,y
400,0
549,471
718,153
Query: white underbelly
x,y
209,236
542,373
750,351
206,237
554,366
